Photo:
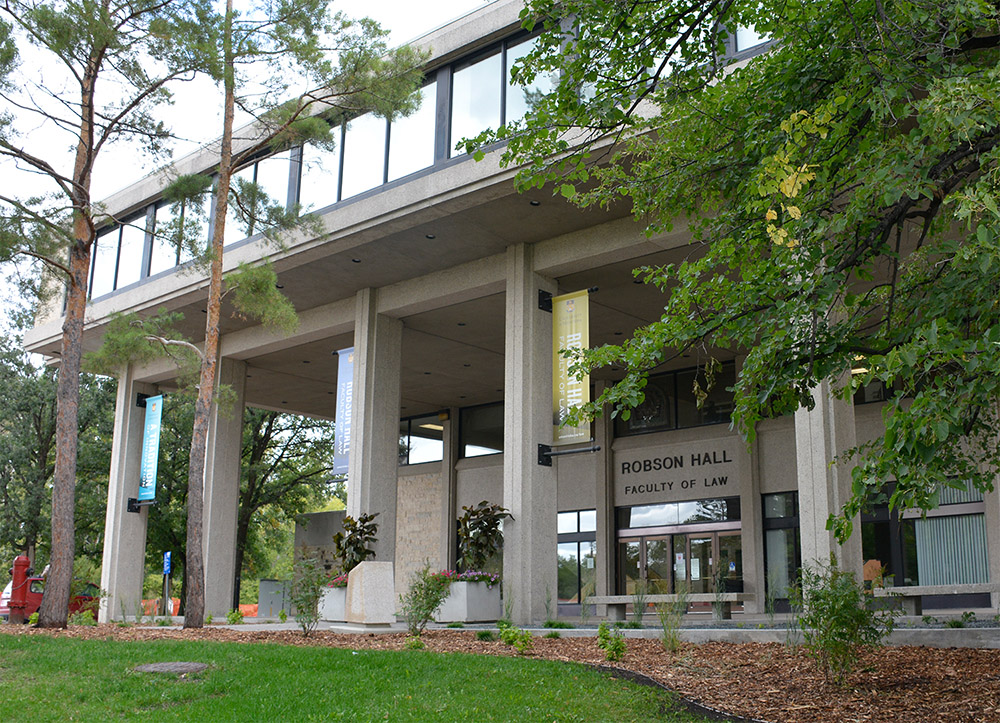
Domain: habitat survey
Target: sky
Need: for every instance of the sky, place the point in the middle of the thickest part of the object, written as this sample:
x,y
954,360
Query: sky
x,y
195,117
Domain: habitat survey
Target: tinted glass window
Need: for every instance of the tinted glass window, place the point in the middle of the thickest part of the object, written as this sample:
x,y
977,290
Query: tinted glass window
x,y
475,99
105,258
481,430
411,139
520,98
320,171
133,238
364,154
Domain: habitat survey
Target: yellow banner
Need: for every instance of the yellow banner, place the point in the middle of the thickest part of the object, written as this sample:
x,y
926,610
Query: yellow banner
x,y
570,330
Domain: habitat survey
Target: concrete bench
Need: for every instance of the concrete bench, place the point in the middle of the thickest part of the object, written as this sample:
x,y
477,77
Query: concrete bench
x,y
911,597
722,603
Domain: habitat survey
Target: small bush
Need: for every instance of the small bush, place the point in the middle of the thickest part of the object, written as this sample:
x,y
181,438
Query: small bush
x,y
163,622
209,619
84,617
670,616
282,615
560,624
638,603
518,639
612,642
413,642
456,624
308,579
33,618
234,617
553,634
427,592
954,623
487,636
836,620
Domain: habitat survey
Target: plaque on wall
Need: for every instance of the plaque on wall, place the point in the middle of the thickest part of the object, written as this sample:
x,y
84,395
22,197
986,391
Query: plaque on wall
x,y
669,473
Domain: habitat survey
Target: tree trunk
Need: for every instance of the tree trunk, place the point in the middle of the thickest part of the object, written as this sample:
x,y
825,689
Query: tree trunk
x,y
194,613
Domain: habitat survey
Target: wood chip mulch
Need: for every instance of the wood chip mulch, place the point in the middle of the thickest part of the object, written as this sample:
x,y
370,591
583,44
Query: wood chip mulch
x,y
766,682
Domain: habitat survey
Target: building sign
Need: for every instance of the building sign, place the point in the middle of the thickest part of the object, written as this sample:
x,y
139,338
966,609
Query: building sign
x,y
150,449
570,330
669,473
345,405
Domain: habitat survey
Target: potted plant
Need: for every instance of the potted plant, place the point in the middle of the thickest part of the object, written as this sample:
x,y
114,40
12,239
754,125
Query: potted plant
x,y
352,545
333,603
474,596
475,591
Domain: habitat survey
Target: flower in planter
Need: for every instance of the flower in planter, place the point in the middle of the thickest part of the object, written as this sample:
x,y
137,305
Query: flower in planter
x,y
339,580
490,578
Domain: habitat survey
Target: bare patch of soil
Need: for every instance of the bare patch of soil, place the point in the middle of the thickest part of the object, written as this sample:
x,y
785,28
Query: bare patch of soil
x,y
767,682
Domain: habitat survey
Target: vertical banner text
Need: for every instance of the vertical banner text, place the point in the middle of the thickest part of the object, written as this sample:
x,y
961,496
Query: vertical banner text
x,y
150,448
570,330
345,404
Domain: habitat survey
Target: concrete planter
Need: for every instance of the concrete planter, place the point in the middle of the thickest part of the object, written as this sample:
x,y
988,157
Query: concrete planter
x,y
470,602
333,604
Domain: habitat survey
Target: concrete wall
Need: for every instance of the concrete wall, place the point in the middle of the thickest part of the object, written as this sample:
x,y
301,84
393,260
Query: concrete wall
x,y
419,522
314,536
776,455
577,481
479,478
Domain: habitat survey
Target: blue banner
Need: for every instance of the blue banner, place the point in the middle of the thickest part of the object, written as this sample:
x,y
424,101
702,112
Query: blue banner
x,y
345,403
150,448
166,563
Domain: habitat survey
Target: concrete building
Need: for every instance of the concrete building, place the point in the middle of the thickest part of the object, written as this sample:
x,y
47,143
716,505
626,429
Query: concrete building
x,y
430,267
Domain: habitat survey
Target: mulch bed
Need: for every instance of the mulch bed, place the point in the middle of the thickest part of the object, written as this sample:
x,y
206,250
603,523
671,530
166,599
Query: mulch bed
x,y
762,681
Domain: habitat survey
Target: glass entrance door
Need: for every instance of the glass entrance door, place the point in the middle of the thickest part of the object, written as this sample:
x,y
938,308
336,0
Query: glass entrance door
x,y
700,571
691,561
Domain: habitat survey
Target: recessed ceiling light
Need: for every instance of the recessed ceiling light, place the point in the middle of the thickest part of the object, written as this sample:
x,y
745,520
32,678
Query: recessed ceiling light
x,y
430,236
432,427
466,365
329,392
618,333
279,286
357,261
637,281
427,373
461,323
461,396
499,390
306,361
283,401
535,203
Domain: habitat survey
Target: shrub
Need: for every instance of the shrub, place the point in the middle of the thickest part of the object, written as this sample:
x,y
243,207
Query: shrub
x,y
413,642
518,639
456,624
479,534
234,617
209,619
554,634
352,545
338,579
84,617
638,602
670,616
836,620
308,578
282,615
163,622
612,642
487,636
561,624
427,592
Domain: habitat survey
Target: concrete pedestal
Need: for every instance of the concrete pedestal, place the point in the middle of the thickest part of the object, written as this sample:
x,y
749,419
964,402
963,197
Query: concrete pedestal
x,y
371,595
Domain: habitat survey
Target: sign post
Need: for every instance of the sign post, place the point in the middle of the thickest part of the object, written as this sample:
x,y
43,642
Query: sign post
x,y
165,607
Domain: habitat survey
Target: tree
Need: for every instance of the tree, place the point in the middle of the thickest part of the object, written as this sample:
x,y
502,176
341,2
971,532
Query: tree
x,y
27,451
841,190
289,44
135,50
287,461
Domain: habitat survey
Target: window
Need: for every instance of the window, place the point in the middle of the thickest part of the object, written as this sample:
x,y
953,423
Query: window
x,y
519,98
421,440
679,513
475,98
782,545
117,258
364,154
411,139
480,430
576,558
245,216
671,403
319,186
173,223
947,547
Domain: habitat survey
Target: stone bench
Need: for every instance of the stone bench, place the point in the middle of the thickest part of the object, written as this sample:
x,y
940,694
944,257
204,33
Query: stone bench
x,y
722,603
911,596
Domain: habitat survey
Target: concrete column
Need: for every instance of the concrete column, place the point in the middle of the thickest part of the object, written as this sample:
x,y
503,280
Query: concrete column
x,y
992,504
821,434
529,489
752,520
374,463
123,567
607,544
222,491
449,478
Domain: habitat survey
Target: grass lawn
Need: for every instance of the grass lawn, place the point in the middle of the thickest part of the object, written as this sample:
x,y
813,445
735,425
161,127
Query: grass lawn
x,y
61,679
